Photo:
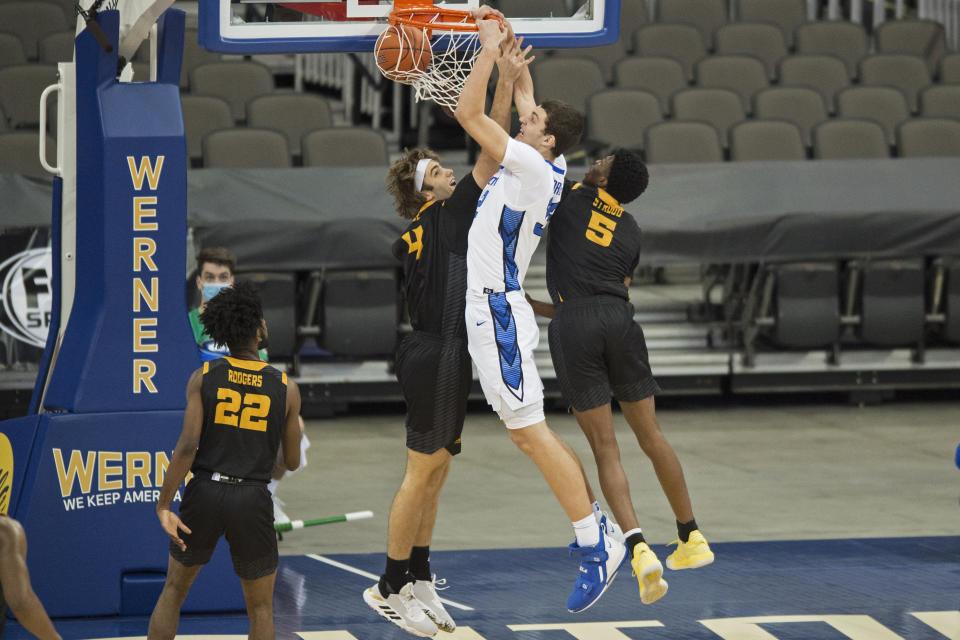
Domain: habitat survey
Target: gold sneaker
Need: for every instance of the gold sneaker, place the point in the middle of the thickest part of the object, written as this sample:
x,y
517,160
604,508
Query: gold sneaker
x,y
691,554
649,573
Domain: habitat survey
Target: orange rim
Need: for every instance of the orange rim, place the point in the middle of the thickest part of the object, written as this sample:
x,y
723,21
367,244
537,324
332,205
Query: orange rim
x,y
429,18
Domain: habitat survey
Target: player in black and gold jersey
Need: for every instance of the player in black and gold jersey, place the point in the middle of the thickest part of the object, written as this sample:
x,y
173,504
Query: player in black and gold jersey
x,y
240,410
15,589
598,350
433,365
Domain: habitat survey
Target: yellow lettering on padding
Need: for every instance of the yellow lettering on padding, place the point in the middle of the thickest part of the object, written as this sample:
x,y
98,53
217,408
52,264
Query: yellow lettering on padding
x,y
143,251
140,211
143,372
142,294
151,170
144,329
76,468
105,471
160,464
138,466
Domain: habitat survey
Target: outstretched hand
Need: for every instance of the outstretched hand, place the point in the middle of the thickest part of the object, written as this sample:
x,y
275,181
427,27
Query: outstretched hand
x,y
491,34
172,525
513,59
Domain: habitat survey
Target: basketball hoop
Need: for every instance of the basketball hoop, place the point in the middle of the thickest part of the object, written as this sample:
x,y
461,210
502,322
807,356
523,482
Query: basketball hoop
x,y
452,35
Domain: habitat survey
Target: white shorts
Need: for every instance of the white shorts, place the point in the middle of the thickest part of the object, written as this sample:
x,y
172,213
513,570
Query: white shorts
x,y
502,334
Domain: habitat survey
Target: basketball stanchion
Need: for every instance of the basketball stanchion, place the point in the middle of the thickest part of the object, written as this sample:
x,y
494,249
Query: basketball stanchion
x,y
300,524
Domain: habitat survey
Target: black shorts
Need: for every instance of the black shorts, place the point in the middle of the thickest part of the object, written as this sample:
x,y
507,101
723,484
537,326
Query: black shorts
x,y
599,351
436,376
242,512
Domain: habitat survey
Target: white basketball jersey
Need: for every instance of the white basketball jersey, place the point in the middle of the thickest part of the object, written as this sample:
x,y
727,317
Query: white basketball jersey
x,y
512,213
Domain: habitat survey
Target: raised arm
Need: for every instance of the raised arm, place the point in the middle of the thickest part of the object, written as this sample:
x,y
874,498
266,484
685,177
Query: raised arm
x,y
511,63
489,135
523,91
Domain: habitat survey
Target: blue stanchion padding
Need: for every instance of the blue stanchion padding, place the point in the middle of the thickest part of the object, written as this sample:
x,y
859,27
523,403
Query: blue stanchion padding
x,y
127,345
957,459
89,510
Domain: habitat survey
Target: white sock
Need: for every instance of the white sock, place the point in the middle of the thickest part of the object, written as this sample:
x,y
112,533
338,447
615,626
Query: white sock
x,y
587,531
596,511
631,532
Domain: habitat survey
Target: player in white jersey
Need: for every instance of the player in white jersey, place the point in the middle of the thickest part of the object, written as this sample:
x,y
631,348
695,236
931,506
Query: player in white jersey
x,y
502,333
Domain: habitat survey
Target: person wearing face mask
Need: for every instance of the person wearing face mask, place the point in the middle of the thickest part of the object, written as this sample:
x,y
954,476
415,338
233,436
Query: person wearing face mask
x,y
215,267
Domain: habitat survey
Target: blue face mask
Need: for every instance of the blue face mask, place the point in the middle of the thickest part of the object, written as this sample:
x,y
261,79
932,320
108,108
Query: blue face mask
x,y
213,288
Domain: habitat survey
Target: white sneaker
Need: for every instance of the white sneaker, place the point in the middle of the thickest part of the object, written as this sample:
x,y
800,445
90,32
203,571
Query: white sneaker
x,y
611,528
426,592
402,609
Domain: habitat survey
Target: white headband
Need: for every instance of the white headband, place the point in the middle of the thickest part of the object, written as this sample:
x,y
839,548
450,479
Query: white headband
x,y
421,172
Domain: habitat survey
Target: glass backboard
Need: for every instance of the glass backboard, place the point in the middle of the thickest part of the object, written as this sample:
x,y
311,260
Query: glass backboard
x,y
302,26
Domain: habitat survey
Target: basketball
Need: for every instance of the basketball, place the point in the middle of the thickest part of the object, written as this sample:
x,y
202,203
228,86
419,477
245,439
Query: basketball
x,y
402,52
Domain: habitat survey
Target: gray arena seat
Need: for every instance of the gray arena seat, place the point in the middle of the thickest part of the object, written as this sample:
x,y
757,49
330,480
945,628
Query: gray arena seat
x,y
807,299
618,117
20,89
743,74
18,153
845,40
11,50
940,101
633,15
344,147
926,137
892,302
278,295
570,79
950,69
193,56
682,42
660,76
885,105
201,115
951,326
293,114
825,73
766,140
235,81
56,47
682,142
606,56
762,41
245,148
908,73
4,125
360,313
30,21
800,105
924,38
847,138
706,15
785,14
720,107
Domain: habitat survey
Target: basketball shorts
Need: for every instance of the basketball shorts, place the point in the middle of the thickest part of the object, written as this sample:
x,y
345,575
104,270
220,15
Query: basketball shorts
x,y
598,351
435,376
241,512
502,334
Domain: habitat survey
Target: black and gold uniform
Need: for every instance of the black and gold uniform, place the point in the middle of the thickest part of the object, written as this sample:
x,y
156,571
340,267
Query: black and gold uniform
x,y
596,346
244,414
433,365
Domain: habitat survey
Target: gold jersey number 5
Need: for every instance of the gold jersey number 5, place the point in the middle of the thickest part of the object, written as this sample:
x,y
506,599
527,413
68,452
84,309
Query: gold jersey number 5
x,y
255,408
600,229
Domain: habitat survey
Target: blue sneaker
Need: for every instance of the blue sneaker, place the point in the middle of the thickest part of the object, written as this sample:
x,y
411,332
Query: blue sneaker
x,y
598,568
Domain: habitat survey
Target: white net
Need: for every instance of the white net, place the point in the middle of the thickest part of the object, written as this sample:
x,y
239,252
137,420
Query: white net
x,y
452,56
